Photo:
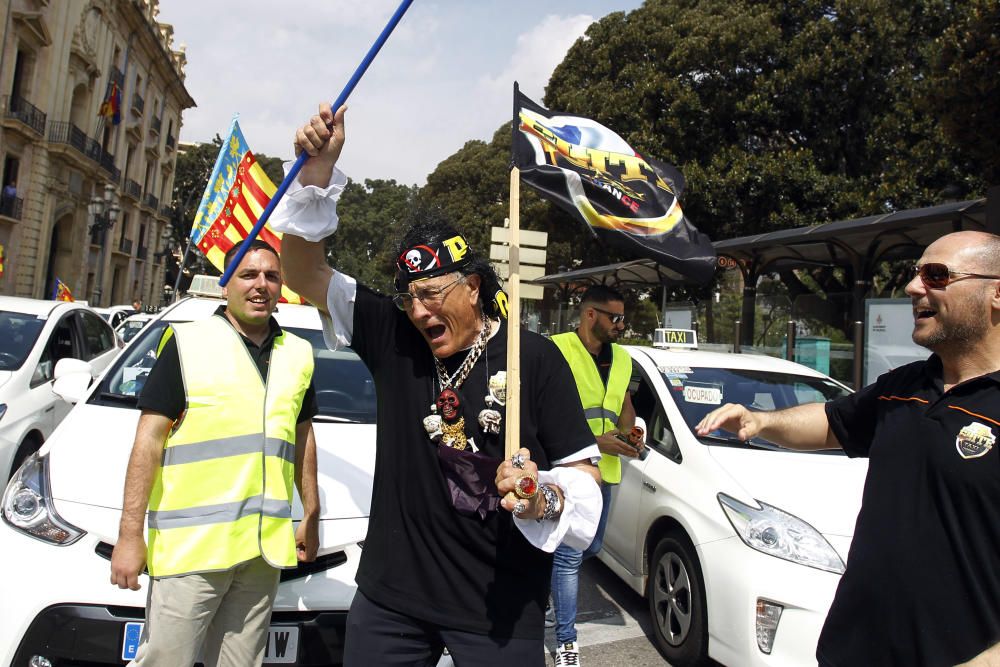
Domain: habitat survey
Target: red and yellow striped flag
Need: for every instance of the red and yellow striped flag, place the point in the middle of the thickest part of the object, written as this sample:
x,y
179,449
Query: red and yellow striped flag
x,y
249,193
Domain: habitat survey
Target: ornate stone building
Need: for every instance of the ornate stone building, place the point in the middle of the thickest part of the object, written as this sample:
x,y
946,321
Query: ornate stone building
x,y
61,61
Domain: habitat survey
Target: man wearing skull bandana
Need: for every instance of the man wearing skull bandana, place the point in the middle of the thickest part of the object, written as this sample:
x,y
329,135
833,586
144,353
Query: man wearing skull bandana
x,y
446,561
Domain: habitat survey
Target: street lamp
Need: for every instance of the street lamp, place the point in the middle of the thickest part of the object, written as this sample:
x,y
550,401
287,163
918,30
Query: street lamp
x,y
103,213
166,249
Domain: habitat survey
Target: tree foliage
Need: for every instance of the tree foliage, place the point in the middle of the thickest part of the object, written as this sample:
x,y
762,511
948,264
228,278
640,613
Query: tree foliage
x,y
370,215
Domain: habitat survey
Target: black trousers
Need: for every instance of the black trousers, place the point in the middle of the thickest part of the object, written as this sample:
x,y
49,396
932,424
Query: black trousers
x,y
378,636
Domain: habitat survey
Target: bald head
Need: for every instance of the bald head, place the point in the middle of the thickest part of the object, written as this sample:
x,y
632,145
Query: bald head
x,y
974,251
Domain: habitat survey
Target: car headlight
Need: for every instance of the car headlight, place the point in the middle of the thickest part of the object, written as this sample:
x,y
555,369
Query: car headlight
x,y
780,534
28,507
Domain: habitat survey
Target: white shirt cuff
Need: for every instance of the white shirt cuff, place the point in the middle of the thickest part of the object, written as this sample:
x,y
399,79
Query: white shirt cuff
x,y
577,525
592,454
338,325
309,211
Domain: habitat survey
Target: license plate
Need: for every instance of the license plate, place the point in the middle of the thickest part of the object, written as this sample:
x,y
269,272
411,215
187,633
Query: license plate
x,y
282,643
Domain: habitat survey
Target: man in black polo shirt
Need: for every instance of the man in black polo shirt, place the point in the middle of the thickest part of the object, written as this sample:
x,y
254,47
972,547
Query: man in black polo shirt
x,y
922,585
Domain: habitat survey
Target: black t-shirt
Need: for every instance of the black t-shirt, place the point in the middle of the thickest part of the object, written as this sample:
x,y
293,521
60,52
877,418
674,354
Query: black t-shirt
x,y
421,556
163,391
922,585
603,359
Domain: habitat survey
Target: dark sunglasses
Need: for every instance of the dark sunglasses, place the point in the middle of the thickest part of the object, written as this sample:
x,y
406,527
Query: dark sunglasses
x,y
614,317
937,276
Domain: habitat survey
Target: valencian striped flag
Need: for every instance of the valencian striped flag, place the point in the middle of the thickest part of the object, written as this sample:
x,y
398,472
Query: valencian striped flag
x,y
237,192
61,291
625,199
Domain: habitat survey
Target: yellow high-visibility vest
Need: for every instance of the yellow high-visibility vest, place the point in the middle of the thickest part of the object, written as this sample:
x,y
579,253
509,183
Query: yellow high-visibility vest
x,y
223,493
601,405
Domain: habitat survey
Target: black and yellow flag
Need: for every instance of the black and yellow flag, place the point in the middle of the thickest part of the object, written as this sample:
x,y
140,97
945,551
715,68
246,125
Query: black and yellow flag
x,y
629,201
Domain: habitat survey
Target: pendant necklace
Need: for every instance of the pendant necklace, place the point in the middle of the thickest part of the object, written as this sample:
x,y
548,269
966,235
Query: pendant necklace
x,y
448,427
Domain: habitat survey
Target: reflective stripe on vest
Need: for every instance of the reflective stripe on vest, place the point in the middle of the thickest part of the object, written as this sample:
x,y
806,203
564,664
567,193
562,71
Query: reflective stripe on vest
x,y
601,405
223,493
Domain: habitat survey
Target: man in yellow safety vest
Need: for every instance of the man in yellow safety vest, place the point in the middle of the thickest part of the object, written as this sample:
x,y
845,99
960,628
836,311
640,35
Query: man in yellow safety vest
x,y
225,431
602,371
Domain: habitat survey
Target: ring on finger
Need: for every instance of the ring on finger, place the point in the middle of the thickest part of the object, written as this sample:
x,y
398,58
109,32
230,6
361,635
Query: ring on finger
x,y
519,507
526,486
518,461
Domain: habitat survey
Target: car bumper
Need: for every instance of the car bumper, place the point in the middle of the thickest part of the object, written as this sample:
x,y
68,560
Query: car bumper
x,y
736,577
58,602
70,634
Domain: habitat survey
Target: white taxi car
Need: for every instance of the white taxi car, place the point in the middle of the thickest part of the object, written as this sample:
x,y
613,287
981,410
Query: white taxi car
x,y
35,335
738,546
61,511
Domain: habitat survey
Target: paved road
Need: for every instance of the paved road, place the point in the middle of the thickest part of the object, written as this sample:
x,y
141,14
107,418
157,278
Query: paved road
x,y
613,626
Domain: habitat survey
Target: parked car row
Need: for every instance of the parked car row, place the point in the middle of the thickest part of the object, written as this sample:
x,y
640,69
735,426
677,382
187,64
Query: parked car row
x,y
35,336
738,546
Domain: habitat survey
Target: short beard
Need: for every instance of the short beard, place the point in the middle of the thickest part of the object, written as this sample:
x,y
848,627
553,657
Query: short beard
x,y
956,335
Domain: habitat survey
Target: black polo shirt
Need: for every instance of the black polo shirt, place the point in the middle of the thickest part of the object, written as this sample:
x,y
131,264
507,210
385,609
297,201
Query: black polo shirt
x,y
163,391
922,585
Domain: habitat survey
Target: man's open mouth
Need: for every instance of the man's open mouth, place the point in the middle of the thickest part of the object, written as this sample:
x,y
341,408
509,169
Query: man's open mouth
x,y
923,313
435,332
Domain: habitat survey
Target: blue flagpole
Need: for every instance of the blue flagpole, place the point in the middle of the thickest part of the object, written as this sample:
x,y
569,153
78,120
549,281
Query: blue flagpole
x,y
303,156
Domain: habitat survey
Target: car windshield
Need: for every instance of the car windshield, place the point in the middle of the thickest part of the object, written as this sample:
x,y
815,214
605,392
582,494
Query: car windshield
x,y
698,391
18,333
129,328
344,388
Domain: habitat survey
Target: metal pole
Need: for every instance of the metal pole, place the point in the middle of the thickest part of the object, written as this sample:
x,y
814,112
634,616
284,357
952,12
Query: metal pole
x,y
790,340
736,336
180,270
859,354
100,262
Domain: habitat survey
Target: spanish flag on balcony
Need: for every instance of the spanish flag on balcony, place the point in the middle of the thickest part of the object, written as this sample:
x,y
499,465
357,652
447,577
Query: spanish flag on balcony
x,y
234,198
111,107
61,292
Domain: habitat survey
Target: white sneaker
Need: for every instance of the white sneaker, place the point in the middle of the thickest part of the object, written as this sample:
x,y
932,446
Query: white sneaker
x,y
567,655
550,614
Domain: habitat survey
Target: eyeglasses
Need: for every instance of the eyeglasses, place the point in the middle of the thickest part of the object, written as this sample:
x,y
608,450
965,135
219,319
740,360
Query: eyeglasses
x,y
935,275
431,297
614,317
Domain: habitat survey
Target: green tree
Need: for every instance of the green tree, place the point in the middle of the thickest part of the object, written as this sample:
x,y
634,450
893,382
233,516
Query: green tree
x,y
370,220
781,114
962,89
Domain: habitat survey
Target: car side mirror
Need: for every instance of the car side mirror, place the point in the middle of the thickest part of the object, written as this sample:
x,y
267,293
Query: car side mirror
x,y
72,379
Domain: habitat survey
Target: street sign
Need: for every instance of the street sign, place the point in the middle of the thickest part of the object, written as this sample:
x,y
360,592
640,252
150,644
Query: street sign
x,y
531,258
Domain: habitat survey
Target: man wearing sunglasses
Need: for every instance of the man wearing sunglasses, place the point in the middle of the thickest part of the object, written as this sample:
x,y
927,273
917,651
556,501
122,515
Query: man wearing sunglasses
x,y
602,371
446,561
922,585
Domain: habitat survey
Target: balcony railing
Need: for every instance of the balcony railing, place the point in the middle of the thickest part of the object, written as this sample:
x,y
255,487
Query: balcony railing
x,y
166,211
108,165
155,125
150,201
11,207
21,109
70,134
132,189
170,142
141,252
138,104
125,246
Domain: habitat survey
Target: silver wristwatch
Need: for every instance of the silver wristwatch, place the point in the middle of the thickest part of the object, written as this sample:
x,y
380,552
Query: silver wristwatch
x,y
553,505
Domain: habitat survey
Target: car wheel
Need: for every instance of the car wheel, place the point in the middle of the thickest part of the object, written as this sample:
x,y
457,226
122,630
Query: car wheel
x,y
30,445
677,602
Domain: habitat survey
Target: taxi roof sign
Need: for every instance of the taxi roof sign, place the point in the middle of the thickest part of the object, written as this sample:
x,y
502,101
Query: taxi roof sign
x,y
675,338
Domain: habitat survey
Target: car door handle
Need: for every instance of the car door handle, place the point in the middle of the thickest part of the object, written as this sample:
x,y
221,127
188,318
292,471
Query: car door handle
x,y
50,408
649,487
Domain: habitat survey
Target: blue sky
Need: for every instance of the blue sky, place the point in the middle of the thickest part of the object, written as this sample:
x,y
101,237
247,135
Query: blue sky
x,y
444,77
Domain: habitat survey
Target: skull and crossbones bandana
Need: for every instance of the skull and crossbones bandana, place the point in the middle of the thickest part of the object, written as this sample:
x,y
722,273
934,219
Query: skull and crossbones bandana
x,y
432,258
